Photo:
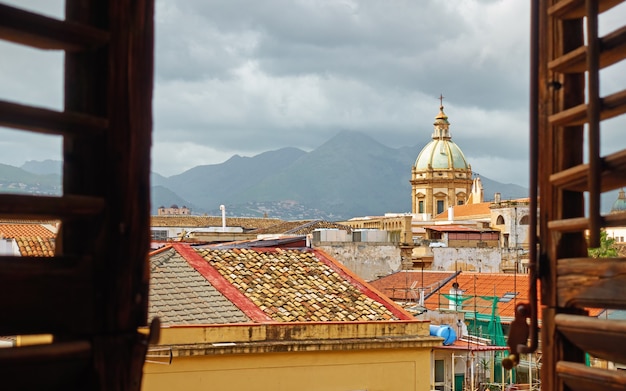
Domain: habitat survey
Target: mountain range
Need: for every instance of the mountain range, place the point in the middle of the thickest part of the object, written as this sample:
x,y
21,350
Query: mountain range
x,y
349,175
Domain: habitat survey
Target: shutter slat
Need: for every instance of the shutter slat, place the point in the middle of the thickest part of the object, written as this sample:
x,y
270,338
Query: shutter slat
x,y
613,50
574,9
48,121
59,300
597,337
579,224
576,178
592,282
60,365
27,28
579,377
48,207
612,106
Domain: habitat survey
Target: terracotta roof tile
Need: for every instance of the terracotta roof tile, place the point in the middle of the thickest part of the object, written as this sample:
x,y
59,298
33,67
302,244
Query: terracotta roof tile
x,y
301,227
35,246
467,212
180,295
480,286
33,239
12,231
297,285
211,221
405,284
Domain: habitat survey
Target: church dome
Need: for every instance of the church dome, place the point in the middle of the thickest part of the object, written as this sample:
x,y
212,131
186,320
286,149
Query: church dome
x,y
620,204
441,152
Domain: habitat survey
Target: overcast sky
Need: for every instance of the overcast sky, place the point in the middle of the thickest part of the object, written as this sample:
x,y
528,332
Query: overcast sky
x,y
244,77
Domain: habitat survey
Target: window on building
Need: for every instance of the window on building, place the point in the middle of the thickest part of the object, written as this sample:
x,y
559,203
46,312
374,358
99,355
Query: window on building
x,y
439,371
440,206
420,207
500,220
158,235
459,202
505,240
524,220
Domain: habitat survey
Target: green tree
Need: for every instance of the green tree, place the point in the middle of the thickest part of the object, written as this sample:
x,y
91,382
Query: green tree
x,y
607,247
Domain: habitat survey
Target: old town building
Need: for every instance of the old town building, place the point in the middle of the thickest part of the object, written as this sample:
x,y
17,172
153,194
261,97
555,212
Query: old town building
x,y
441,176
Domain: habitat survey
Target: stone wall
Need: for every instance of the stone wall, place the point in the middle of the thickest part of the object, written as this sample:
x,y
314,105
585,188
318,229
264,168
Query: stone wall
x,y
367,260
485,260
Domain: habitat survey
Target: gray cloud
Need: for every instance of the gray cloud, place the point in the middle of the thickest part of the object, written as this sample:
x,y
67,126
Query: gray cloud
x,y
243,77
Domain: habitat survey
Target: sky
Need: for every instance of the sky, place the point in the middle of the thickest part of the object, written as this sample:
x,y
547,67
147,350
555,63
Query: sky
x,y
245,77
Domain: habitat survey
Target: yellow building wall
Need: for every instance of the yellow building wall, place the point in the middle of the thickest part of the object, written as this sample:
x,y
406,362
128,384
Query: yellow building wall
x,y
406,369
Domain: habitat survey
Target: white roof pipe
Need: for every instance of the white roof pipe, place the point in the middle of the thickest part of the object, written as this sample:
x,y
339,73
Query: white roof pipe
x,y
223,209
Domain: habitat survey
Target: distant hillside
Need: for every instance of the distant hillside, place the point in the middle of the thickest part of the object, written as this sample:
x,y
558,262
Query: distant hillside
x,y
43,167
17,180
166,198
349,175
507,191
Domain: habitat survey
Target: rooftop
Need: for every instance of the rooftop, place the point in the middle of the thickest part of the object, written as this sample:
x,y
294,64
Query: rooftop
x,y
265,285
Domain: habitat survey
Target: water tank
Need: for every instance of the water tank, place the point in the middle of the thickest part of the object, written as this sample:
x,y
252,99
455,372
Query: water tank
x,y
444,331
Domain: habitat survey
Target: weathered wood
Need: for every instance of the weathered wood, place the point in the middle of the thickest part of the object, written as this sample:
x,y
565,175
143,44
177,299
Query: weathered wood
x,y
561,149
613,50
579,377
576,178
41,353
58,366
106,127
47,121
50,208
43,32
599,337
612,106
575,9
591,282
569,279
580,224
55,295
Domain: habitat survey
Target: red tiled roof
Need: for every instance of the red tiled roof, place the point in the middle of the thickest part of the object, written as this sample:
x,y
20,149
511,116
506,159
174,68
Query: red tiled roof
x,y
481,286
404,285
294,285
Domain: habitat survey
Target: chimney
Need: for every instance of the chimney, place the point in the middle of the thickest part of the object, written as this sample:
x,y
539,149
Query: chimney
x,y
496,198
451,213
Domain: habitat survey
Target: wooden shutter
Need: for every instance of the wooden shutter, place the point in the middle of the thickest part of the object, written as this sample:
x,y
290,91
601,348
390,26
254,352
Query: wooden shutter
x,y
567,122
92,295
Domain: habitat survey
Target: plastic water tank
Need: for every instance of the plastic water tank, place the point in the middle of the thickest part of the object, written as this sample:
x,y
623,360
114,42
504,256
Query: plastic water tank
x,y
444,331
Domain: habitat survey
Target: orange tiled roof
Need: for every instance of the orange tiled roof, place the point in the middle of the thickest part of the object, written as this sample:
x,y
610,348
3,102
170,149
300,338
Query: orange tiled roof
x,y
13,231
481,286
467,212
33,240
35,246
299,285
404,284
